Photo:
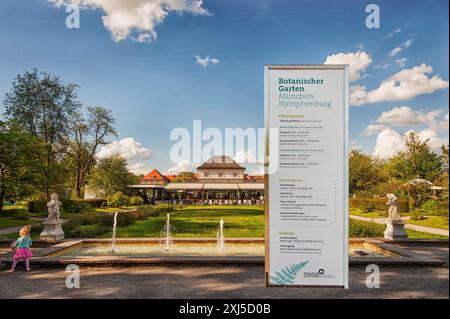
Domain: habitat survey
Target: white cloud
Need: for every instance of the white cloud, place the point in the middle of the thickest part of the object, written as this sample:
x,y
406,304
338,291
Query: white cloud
x,y
434,141
354,145
139,168
182,166
373,129
206,61
395,51
136,19
388,144
381,66
403,85
131,150
244,157
400,48
358,95
358,61
407,43
401,62
392,33
256,170
443,123
405,116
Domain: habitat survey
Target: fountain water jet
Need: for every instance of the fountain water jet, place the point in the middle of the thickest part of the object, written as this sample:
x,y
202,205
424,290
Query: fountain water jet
x,y
167,234
220,236
113,247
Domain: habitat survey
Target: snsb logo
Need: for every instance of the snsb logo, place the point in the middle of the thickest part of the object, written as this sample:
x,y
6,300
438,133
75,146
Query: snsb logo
x,y
317,274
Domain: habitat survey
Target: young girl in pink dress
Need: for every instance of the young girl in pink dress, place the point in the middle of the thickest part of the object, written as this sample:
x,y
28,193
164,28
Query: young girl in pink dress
x,y
22,248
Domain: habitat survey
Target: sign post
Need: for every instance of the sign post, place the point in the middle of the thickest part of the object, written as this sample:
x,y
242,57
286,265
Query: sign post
x,y
306,175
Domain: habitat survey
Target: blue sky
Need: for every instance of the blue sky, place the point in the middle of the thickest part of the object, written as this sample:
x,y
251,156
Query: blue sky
x,y
157,85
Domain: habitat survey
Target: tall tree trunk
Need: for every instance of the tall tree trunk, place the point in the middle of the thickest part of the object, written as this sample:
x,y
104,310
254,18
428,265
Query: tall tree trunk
x,y
2,198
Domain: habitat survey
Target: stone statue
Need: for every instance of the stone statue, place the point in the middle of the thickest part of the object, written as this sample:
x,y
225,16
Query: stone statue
x,y
53,207
393,210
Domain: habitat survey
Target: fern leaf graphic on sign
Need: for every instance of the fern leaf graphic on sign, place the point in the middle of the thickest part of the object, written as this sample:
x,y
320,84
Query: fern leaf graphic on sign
x,y
287,275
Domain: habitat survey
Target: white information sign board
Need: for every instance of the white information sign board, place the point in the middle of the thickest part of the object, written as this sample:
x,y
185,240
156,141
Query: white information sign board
x,y
306,175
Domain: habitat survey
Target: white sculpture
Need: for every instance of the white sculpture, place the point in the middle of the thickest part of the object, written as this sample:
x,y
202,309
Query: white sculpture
x,y
53,231
53,207
393,210
395,227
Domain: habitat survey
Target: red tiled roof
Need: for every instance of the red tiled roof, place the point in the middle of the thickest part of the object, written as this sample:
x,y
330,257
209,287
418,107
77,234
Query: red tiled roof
x,y
155,175
170,177
259,178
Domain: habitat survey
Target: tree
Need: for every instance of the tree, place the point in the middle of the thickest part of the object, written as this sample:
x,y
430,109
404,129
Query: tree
x,y
365,172
184,177
19,165
111,175
444,157
88,135
418,161
43,107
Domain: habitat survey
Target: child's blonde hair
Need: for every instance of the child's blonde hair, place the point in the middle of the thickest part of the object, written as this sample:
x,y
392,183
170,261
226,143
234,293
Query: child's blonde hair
x,y
25,230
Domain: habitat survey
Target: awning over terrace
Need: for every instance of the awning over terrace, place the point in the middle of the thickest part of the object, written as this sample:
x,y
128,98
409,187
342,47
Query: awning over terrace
x,y
251,186
142,186
184,186
216,186
220,186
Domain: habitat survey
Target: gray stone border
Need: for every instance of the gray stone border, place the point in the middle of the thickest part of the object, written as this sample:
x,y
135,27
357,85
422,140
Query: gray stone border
x,y
400,256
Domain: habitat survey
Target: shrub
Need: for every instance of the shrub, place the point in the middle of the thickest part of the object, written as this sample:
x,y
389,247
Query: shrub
x,y
360,229
418,214
148,211
17,213
73,230
75,207
420,192
37,206
136,200
372,204
430,207
442,208
164,208
118,199
93,202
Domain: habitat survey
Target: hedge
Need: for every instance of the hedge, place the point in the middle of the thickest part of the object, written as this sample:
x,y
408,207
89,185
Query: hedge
x,y
68,205
94,202
362,229
37,206
93,224
373,204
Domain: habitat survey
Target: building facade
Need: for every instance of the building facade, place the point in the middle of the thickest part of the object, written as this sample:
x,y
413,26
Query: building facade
x,y
218,181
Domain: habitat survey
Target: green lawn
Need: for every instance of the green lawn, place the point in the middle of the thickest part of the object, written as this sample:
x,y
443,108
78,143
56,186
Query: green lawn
x,y
359,212
202,221
432,221
11,222
360,228
113,209
417,234
14,236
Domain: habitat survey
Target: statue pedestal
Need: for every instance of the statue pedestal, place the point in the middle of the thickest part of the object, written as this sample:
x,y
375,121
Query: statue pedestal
x,y
52,230
395,230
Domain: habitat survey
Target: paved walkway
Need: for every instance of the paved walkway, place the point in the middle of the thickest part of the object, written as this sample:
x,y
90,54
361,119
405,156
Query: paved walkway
x,y
222,281
16,229
213,282
425,229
